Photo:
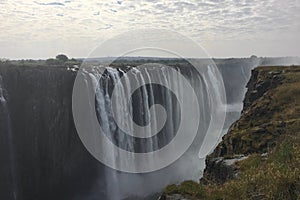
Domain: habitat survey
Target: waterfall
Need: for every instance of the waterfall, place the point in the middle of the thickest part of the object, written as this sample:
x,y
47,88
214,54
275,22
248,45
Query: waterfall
x,y
138,108
141,111
43,156
5,125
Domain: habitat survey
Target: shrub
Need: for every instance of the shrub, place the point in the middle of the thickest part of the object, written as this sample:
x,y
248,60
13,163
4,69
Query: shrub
x,y
63,58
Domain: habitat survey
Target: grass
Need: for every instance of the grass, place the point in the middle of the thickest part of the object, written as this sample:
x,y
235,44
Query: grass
x,y
266,118
277,177
187,188
271,124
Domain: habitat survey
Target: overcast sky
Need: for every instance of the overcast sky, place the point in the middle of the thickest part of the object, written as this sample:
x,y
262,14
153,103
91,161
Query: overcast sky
x,y
225,28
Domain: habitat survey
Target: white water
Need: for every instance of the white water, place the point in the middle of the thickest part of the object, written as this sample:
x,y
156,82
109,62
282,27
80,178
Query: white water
x,y
116,119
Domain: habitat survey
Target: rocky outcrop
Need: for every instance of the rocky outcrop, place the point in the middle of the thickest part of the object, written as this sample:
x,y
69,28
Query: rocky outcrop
x,y
258,86
220,169
261,123
173,197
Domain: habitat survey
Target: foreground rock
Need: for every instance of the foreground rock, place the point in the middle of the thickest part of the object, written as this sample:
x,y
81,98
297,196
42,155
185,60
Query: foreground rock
x,y
220,169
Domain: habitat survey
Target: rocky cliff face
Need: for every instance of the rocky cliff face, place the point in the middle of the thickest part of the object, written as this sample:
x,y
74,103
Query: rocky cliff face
x,y
259,157
264,115
41,155
270,105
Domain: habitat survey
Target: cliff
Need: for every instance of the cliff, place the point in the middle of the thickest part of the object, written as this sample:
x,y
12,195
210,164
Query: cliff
x,y
41,155
259,157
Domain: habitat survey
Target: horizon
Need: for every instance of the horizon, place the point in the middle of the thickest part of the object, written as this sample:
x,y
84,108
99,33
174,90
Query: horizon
x,y
146,57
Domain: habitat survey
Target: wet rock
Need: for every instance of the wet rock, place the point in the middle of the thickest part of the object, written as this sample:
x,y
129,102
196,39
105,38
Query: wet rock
x,y
219,170
274,72
173,197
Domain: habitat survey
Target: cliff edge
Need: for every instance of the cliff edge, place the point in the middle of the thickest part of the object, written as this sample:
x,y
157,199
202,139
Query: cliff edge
x,y
259,157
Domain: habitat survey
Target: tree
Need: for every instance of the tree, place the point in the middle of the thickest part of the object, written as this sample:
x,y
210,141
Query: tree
x,y
253,57
63,58
72,63
52,61
4,60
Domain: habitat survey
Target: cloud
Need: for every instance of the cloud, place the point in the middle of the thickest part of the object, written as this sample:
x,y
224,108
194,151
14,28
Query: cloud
x,y
113,10
107,26
25,22
50,4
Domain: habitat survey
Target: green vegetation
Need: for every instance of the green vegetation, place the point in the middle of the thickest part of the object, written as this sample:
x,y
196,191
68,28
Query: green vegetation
x,y
190,189
62,58
277,177
52,61
4,60
276,107
60,61
271,125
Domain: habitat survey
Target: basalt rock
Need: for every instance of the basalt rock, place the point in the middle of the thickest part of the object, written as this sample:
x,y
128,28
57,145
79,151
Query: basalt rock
x,y
262,121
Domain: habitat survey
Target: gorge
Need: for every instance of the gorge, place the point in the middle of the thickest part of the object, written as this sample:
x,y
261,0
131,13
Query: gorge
x,y
44,158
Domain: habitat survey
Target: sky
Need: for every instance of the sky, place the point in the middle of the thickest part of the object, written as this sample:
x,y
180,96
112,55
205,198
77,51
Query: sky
x,y
41,29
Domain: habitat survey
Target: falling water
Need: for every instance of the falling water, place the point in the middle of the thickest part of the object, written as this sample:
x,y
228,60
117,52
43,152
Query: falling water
x,y
116,116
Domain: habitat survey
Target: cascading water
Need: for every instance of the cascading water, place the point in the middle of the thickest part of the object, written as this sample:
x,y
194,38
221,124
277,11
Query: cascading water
x,y
123,115
139,109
